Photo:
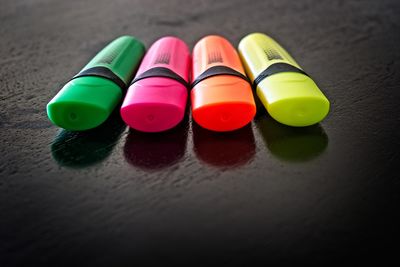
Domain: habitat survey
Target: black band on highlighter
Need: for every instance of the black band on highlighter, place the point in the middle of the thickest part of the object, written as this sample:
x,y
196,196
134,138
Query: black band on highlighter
x,y
218,70
161,72
274,69
102,72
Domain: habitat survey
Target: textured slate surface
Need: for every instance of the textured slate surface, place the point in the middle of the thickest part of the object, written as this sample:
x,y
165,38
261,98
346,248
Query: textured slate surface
x,y
266,193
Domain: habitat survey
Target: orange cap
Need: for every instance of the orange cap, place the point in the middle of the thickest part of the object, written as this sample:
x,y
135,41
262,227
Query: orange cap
x,y
222,98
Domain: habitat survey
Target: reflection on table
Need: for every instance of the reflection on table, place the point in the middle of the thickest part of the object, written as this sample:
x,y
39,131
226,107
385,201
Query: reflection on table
x,y
156,151
227,149
292,144
82,149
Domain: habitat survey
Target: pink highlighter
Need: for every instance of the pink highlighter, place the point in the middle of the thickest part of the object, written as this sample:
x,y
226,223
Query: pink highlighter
x,y
156,99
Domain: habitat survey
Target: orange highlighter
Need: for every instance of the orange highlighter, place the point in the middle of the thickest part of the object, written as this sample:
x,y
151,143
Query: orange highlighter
x,y
222,98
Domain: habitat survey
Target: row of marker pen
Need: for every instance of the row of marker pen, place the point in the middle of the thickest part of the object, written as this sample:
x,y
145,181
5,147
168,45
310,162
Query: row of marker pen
x,y
157,85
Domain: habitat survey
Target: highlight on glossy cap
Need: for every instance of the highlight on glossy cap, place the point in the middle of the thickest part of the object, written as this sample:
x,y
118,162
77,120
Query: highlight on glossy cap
x,y
88,99
288,93
223,100
156,100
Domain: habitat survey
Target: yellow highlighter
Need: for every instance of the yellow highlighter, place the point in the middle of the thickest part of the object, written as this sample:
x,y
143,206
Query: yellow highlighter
x,y
287,92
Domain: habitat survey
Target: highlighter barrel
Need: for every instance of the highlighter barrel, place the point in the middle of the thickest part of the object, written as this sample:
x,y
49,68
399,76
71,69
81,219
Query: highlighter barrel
x,y
156,100
89,98
287,92
222,98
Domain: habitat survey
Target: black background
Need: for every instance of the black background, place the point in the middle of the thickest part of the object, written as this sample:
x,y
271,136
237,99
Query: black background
x,y
264,194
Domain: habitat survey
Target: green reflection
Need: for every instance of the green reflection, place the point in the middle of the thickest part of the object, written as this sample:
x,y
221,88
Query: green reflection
x,y
82,149
292,144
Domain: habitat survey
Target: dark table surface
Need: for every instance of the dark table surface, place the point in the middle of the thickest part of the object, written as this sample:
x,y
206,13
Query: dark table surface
x,y
264,194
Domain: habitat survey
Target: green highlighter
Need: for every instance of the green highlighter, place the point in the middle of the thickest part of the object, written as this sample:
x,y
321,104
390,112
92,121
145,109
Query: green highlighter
x,y
88,99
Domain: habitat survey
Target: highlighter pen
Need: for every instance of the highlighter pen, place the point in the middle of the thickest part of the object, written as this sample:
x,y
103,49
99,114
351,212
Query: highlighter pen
x,y
156,99
287,92
222,98
89,98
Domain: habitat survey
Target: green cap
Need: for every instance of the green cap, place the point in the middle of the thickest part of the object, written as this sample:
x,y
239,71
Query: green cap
x,y
89,98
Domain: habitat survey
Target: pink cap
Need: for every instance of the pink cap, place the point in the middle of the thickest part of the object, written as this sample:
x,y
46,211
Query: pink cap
x,y
156,99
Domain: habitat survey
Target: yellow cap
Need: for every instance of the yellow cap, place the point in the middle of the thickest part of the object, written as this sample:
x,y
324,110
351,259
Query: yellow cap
x,y
287,92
